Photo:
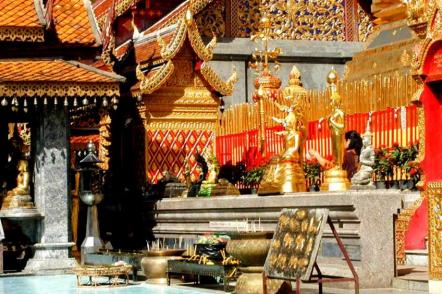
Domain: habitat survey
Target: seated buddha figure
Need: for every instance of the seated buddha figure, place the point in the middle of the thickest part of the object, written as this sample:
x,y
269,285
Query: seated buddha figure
x,y
19,196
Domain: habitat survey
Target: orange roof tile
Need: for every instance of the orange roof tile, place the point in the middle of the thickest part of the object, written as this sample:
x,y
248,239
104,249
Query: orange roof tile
x,y
73,24
51,71
18,13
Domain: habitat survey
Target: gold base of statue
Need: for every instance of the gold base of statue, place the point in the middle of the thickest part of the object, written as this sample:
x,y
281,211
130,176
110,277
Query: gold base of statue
x,y
17,201
335,180
222,188
283,177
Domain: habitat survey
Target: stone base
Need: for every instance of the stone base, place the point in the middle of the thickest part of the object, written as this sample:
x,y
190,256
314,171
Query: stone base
x,y
370,186
335,180
50,257
251,283
174,190
20,213
17,201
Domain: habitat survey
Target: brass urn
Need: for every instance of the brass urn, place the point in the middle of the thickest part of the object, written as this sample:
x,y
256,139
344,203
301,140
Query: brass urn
x,y
154,265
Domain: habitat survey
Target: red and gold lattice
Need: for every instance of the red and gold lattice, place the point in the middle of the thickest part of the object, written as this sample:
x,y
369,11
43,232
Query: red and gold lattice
x,y
167,150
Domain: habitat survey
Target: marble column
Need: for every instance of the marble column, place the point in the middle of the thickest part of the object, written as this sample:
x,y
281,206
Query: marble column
x,y
51,191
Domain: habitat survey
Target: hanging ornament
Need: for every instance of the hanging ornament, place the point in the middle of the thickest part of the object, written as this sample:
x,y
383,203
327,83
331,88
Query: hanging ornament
x,y
85,101
35,102
55,101
25,105
4,102
115,106
95,100
105,102
45,101
139,98
75,102
66,103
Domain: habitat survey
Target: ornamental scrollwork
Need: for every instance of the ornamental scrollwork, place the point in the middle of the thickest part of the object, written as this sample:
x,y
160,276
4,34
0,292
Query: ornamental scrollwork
x,y
435,225
223,87
168,51
59,89
295,19
204,52
21,34
150,84
211,20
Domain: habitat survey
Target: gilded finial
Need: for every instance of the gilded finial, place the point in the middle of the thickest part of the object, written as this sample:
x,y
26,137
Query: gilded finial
x,y
295,76
189,17
332,77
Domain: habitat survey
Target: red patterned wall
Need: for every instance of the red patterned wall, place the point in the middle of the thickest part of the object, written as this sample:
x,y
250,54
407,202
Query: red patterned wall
x,y
167,150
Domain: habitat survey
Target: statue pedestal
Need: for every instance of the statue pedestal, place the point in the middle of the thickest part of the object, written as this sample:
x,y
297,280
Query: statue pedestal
x,y
222,188
335,180
17,201
283,177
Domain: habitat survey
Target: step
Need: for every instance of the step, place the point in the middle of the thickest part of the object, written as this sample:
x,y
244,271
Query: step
x,y
410,285
411,278
417,257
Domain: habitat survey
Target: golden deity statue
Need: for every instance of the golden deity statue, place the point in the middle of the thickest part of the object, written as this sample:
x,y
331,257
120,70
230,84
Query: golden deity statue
x,y
335,179
284,173
19,196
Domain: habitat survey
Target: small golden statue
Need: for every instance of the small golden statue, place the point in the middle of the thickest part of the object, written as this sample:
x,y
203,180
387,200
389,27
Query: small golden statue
x,y
19,197
284,173
212,186
335,179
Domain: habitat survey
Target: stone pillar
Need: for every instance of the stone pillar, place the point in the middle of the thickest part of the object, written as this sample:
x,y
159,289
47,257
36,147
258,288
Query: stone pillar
x,y
51,191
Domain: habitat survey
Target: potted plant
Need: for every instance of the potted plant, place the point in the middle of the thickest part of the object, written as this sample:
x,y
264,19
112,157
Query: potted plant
x,y
253,177
312,171
383,167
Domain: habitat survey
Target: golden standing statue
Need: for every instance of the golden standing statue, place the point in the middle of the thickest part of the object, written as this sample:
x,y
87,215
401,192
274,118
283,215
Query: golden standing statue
x,y
335,179
284,173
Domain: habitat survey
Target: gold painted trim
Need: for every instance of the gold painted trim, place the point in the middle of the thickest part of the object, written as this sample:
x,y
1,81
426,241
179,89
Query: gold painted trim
x,y
204,52
168,51
150,85
435,225
224,88
59,89
22,34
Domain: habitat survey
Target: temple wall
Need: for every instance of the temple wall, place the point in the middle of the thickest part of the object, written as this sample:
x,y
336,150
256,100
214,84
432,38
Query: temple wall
x,y
363,219
313,58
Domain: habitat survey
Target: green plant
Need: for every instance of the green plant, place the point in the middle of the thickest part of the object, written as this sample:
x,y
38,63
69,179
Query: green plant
x,y
312,169
254,176
383,164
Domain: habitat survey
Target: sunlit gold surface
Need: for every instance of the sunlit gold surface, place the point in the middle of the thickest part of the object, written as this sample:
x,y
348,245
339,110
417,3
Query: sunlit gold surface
x,y
155,265
19,196
336,179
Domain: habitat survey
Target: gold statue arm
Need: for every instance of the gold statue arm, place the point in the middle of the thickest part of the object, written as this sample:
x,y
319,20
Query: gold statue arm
x,y
282,107
334,120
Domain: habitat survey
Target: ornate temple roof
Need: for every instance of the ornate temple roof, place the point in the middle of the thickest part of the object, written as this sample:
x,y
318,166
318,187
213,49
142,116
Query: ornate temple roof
x,y
159,44
59,78
19,21
75,22
26,20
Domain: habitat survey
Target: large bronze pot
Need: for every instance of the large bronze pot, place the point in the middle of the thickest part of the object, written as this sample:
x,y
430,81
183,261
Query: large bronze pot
x,y
155,264
250,248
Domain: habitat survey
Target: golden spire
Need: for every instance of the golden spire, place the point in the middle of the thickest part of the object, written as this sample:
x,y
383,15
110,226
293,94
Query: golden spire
x,y
265,55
